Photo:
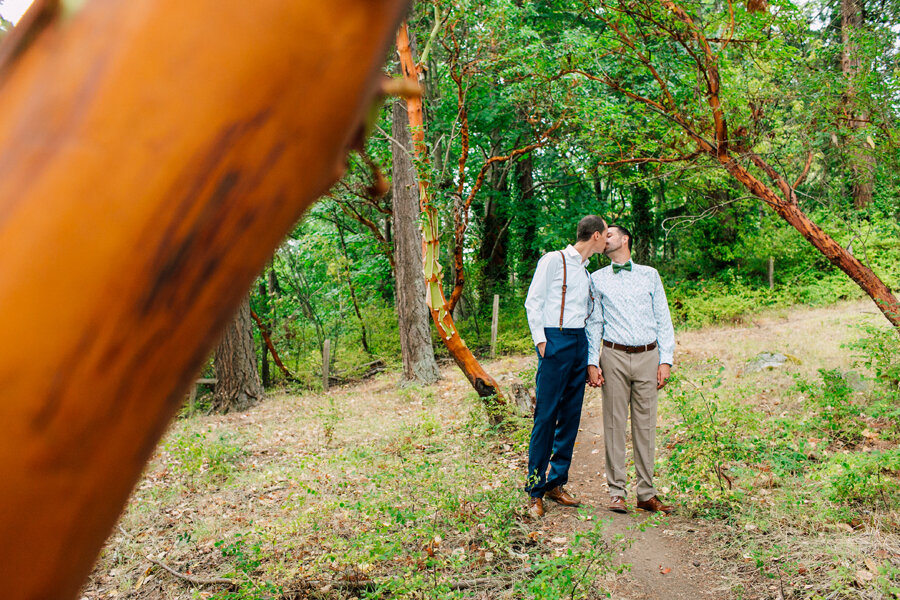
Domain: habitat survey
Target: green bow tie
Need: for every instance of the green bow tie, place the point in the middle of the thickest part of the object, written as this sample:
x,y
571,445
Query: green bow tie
x,y
625,267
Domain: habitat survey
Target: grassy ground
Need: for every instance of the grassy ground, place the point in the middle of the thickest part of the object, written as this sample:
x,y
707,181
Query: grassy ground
x,y
374,492
799,464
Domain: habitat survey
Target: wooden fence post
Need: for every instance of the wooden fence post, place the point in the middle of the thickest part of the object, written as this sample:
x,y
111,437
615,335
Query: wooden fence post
x,y
771,273
326,360
494,318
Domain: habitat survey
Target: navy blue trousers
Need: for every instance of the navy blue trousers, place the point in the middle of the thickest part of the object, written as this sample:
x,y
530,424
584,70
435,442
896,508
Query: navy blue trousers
x,y
560,384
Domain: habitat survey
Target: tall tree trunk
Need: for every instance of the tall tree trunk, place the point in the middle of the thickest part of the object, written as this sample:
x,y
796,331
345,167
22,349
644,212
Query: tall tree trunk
x,y
861,159
494,234
528,214
265,332
494,227
483,383
415,333
122,279
349,276
642,223
238,386
274,286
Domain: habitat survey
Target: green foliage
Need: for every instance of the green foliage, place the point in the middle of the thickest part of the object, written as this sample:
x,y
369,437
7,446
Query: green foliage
x,y
717,443
827,460
837,418
879,351
524,67
572,574
438,507
246,560
203,456
864,480
702,446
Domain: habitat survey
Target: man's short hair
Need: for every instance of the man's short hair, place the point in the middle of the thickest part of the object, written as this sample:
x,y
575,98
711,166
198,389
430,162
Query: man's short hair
x,y
588,226
625,232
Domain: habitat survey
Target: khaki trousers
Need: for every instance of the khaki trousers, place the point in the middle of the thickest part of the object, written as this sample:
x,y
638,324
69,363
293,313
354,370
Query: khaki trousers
x,y
629,381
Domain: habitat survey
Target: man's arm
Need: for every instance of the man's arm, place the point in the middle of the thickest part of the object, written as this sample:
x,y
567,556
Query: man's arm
x,y
535,300
665,333
594,325
594,329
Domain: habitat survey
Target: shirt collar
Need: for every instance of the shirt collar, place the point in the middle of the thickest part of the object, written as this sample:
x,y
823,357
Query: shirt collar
x,y
575,254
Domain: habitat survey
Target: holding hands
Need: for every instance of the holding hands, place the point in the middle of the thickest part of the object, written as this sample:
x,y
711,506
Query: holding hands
x,y
595,376
662,375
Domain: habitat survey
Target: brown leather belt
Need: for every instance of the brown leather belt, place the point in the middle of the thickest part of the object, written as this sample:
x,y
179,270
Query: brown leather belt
x,y
630,349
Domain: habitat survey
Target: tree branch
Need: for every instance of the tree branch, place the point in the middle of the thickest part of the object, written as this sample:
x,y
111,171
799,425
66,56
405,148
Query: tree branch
x,y
802,177
650,159
267,337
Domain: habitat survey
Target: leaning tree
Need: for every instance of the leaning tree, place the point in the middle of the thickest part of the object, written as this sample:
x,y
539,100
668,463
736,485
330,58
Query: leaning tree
x,y
682,77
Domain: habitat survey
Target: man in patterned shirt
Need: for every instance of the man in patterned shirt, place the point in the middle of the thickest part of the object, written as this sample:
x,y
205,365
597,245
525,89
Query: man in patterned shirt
x,y
560,303
635,362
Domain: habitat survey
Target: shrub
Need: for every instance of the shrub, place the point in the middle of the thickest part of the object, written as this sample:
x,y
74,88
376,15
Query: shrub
x,y
865,479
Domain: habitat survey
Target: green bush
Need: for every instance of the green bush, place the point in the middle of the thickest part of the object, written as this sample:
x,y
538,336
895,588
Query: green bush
x,y
864,478
835,416
879,350
201,454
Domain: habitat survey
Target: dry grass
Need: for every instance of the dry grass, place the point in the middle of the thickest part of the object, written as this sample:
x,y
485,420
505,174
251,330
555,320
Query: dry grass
x,y
313,493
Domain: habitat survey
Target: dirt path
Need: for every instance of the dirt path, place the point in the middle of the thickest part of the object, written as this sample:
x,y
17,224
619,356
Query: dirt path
x,y
665,561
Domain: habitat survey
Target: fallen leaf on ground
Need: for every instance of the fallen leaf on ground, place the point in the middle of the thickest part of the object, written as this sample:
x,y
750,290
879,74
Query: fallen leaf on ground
x,y
664,570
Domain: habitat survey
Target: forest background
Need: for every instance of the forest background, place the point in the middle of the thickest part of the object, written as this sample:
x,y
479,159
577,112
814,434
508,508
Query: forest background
x,y
810,87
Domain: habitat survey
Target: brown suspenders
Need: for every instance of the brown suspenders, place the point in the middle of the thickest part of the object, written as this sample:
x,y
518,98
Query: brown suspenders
x,y
562,306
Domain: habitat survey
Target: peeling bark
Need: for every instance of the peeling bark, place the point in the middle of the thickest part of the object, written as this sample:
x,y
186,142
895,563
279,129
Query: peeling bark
x,y
175,143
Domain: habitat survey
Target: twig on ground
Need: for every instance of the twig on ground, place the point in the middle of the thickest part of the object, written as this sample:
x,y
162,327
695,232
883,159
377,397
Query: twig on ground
x,y
460,584
194,580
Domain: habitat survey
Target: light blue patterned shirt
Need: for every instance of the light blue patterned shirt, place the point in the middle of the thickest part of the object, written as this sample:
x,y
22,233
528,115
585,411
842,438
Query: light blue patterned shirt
x,y
634,309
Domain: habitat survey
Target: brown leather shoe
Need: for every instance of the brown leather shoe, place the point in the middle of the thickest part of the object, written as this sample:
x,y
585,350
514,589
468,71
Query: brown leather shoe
x,y
561,496
654,505
536,508
617,504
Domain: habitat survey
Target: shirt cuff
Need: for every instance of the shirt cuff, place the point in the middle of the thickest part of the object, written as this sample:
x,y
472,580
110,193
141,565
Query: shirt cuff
x,y
539,337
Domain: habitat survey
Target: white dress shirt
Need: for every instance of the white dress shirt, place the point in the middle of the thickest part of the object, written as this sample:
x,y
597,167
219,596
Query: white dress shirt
x,y
634,310
544,299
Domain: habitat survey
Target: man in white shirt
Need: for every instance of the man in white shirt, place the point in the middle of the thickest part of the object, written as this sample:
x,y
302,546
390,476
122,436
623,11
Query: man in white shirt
x,y
636,359
560,303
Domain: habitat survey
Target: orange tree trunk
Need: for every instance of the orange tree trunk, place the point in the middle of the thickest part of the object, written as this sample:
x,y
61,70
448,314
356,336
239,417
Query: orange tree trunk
x,y
154,153
483,383
838,255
